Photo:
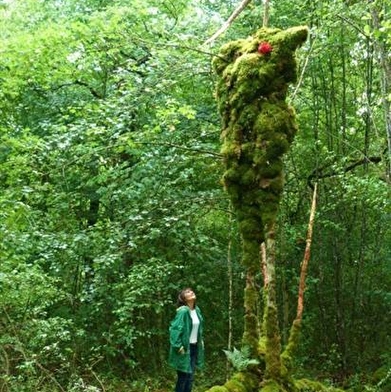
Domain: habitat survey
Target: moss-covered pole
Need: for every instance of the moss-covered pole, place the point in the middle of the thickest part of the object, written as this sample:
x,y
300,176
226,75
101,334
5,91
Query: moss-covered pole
x,y
271,328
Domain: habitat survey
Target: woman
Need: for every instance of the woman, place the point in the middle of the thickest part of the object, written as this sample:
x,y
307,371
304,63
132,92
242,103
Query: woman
x,y
186,345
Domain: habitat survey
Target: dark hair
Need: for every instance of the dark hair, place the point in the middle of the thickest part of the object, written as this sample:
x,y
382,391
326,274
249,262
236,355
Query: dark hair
x,y
181,301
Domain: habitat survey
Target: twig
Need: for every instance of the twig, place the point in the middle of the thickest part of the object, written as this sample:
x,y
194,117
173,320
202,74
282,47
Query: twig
x,y
50,375
266,5
190,149
177,46
228,22
20,349
318,173
298,85
163,144
5,360
99,381
357,28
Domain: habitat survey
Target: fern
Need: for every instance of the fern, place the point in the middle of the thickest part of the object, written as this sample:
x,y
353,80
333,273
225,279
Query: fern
x,y
240,359
384,380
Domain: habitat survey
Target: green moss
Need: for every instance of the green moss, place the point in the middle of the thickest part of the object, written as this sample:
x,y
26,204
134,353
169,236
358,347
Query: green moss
x,y
249,339
262,346
251,326
250,297
293,342
248,379
272,386
273,344
218,389
250,228
240,382
235,386
258,126
305,385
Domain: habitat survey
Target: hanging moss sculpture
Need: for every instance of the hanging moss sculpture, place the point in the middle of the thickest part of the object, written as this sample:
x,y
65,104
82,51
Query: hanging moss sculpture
x,y
258,129
258,126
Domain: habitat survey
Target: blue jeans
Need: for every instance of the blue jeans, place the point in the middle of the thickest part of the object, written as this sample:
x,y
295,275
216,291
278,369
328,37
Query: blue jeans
x,y
185,380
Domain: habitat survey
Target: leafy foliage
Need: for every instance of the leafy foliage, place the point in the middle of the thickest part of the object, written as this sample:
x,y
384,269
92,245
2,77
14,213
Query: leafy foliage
x,y
111,197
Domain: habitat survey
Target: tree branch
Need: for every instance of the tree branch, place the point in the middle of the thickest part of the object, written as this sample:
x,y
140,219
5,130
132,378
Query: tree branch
x,y
300,81
307,252
228,22
266,4
294,334
184,148
317,173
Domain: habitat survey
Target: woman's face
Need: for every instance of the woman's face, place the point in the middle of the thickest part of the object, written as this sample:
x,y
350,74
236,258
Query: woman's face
x,y
189,295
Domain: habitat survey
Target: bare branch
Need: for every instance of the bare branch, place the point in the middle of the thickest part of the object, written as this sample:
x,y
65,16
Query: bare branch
x,y
228,22
319,173
307,252
298,85
266,4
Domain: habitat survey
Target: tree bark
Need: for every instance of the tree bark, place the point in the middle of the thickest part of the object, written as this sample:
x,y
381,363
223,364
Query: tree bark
x,y
294,335
306,259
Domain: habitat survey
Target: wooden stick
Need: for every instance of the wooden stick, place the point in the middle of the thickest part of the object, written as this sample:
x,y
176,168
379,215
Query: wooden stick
x,y
266,5
228,22
304,264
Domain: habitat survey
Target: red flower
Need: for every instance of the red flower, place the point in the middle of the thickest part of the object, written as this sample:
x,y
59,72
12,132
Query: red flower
x,y
264,48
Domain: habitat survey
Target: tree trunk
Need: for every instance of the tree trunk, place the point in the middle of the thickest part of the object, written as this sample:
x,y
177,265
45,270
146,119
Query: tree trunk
x,y
385,69
230,291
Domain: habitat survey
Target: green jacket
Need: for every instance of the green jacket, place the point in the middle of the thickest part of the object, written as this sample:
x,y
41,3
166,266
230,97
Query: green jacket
x,y
180,330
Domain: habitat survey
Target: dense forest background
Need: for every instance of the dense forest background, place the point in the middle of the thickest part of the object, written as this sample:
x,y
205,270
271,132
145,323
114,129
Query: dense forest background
x,y
111,197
